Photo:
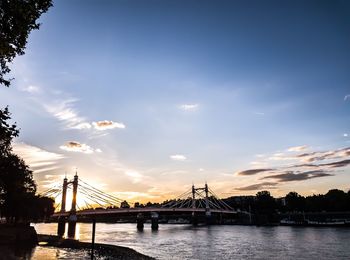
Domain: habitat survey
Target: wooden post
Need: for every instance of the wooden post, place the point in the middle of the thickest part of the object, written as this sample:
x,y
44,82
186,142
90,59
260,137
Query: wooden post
x,y
93,238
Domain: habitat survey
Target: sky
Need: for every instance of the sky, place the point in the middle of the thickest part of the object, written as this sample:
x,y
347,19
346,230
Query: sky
x,y
144,98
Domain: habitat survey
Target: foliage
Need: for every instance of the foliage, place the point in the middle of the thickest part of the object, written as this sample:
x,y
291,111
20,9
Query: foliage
x,y
263,203
17,187
294,202
17,19
7,132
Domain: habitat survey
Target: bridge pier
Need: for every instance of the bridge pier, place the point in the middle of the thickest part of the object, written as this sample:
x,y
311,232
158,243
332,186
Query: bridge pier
x,y
140,221
208,218
194,219
154,219
72,222
61,226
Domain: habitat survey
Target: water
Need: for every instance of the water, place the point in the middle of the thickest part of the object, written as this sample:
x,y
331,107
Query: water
x,y
220,242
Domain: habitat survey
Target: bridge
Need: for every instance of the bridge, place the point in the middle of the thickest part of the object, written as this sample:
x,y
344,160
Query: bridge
x,y
197,203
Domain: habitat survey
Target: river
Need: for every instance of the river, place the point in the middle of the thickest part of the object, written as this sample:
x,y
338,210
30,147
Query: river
x,y
220,242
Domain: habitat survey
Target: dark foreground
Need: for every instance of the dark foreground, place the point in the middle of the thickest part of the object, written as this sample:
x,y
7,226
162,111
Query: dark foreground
x,y
102,251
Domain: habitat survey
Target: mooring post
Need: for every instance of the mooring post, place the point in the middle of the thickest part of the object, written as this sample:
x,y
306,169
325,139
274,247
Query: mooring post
x,y
93,237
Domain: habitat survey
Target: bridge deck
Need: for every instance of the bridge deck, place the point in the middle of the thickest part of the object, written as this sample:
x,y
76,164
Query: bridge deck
x,y
97,212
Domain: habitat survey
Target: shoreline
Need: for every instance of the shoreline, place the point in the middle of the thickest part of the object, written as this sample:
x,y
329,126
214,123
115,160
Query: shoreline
x,y
101,250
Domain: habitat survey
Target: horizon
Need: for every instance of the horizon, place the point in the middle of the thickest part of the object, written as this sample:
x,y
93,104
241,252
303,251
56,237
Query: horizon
x,y
144,99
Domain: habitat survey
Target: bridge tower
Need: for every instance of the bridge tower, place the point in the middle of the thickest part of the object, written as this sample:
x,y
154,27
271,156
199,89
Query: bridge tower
x,y
62,220
194,217
207,208
72,219
64,194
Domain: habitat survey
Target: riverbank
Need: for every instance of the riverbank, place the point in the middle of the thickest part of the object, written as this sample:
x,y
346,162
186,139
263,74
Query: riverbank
x,y
102,251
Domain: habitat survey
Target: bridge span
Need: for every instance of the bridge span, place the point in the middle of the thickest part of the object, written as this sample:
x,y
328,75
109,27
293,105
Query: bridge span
x,y
99,212
196,203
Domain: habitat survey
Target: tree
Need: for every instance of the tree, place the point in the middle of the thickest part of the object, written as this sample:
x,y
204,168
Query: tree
x,y
295,202
7,132
336,200
17,19
265,202
17,187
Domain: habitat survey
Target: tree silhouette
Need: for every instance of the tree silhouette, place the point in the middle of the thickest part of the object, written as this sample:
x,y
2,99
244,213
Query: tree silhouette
x,y
17,19
7,132
17,187
294,202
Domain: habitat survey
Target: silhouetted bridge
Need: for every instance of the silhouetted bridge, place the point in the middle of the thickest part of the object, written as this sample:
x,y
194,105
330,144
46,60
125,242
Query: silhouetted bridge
x,y
195,203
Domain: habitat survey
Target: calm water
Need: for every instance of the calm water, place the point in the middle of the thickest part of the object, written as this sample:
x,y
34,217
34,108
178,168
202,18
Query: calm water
x,y
220,242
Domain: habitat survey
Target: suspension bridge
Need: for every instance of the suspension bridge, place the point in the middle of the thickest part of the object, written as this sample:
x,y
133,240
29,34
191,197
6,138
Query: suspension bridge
x,y
195,203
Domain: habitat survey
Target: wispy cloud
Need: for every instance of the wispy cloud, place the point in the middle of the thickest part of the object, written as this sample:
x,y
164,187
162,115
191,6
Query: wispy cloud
x,y
64,111
252,171
84,125
259,113
258,186
304,166
298,148
346,97
178,157
38,159
134,175
189,107
74,146
298,176
31,89
105,124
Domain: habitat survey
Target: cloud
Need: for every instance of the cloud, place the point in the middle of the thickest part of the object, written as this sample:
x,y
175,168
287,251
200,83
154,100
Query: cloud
x,y
258,186
346,97
280,157
31,89
189,107
38,159
326,155
178,157
345,135
64,111
134,175
299,176
259,113
74,146
252,171
104,125
84,125
297,148
337,164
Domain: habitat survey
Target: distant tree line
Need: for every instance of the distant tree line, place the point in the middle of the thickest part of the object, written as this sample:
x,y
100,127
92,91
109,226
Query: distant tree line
x,y
334,200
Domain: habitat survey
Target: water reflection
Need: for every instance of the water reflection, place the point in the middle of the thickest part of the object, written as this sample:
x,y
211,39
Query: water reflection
x,y
16,252
221,242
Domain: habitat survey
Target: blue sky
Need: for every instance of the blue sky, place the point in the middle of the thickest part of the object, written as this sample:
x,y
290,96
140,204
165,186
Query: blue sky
x,y
146,97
